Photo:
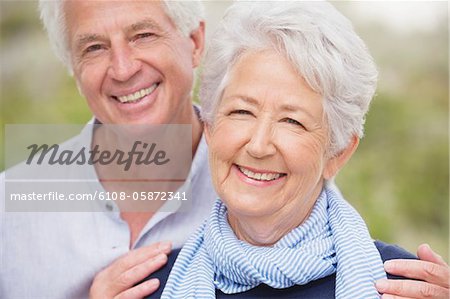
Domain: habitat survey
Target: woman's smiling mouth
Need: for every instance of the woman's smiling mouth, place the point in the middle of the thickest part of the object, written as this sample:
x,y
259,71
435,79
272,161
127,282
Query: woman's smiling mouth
x,y
262,176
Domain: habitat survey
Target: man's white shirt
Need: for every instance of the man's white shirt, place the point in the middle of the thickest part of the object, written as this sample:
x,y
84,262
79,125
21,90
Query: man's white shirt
x,y
57,254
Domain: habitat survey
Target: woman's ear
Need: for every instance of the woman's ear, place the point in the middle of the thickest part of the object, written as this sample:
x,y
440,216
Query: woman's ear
x,y
335,163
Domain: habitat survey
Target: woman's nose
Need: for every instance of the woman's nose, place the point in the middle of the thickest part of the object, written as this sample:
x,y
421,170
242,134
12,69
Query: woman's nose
x,y
260,144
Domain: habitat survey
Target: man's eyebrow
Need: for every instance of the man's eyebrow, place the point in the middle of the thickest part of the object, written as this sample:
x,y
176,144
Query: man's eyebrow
x,y
84,39
144,24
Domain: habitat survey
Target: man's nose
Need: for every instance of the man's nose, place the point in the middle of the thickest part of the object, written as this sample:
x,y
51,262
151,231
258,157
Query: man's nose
x,y
260,144
123,62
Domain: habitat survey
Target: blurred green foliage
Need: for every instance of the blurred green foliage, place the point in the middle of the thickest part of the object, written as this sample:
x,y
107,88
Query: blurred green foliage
x,y
399,177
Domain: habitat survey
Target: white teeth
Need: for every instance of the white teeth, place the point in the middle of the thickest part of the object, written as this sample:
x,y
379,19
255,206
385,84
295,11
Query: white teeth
x,y
138,94
259,176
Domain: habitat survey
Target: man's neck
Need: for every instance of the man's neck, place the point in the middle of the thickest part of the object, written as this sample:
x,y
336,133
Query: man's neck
x,y
137,220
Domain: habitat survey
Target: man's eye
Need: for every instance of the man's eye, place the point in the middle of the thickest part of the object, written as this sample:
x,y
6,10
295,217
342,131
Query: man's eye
x,y
143,35
93,48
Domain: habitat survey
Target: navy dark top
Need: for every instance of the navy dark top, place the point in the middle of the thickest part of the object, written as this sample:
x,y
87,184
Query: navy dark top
x,y
322,288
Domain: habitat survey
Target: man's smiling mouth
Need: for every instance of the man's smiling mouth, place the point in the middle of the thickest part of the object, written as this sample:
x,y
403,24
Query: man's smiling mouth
x,y
260,176
136,96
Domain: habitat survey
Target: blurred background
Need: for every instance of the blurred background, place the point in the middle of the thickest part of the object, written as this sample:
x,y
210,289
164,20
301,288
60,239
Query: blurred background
x,y
399,177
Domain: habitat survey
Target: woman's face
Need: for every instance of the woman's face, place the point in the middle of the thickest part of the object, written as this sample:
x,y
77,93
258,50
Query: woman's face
x,y
268,142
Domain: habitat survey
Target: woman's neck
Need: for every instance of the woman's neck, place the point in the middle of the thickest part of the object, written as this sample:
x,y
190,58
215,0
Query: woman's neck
x,y
267,230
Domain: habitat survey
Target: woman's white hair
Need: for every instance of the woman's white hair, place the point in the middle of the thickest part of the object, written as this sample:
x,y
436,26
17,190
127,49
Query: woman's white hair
x,y
319,42
186,16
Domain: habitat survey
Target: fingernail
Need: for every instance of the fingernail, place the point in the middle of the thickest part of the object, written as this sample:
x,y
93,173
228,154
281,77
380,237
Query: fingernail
x,y
381,285
152,282
165,246
427,246
387,296
161,257
389,265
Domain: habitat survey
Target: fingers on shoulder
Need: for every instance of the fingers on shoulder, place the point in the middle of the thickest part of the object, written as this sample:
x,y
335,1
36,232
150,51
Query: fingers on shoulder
x,y
425,253
412,289
140,255
141,290
422,270
140,271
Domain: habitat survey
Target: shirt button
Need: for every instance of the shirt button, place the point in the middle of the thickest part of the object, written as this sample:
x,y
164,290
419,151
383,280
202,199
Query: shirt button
x,y
109,207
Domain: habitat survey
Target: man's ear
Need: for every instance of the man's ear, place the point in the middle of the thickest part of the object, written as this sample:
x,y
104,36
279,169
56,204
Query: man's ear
x,y
335,163
80,91
198,39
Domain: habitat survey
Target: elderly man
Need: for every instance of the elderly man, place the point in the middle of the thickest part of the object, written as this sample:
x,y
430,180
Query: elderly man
x,y
133,61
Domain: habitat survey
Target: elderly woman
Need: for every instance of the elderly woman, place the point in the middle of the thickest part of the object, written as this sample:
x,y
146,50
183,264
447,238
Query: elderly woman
x,y
284,94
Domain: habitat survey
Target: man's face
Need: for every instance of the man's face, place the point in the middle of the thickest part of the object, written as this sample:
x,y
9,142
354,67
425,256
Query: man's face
x,y
130,61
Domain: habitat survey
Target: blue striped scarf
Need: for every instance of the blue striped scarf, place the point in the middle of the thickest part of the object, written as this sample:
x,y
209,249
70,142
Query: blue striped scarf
x,y
333,239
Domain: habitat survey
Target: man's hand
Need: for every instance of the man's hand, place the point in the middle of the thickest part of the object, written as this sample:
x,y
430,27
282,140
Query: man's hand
x,y
118,279
432,271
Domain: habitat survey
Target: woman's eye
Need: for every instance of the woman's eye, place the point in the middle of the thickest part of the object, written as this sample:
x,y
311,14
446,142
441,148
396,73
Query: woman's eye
x,y
241,111
292,121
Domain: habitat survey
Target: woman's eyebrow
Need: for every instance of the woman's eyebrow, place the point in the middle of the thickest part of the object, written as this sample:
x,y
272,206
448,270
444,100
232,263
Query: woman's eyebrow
x,y
295,108
283,107
290,107
244,98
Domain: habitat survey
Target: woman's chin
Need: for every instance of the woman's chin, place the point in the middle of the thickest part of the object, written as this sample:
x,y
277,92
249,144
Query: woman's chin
x,y
248,206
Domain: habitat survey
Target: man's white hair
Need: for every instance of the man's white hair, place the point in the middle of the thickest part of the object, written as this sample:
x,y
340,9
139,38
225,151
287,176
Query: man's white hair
x,y
186,16
319,42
